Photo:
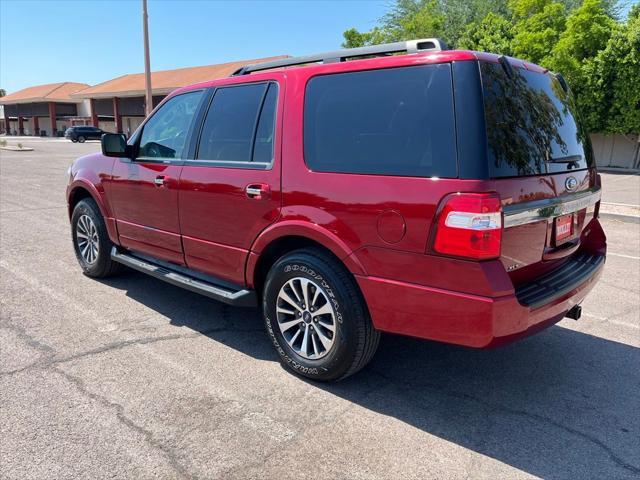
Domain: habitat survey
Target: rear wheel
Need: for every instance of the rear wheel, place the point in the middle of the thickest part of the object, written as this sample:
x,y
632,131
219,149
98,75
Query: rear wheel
x,y
81,139
91,241
316,316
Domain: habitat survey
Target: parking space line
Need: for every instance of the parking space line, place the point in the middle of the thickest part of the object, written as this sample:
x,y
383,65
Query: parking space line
x,y
622,255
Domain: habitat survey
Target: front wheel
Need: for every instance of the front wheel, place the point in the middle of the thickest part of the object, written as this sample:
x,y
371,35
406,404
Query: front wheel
x,y
81,139
316,316
91,241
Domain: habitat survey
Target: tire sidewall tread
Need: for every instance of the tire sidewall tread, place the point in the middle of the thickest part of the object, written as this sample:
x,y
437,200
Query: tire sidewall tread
x,y
356,338
104,266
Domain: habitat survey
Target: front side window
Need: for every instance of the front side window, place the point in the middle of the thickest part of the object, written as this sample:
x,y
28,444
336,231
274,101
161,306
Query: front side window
x,y
397,121
239,124
165,134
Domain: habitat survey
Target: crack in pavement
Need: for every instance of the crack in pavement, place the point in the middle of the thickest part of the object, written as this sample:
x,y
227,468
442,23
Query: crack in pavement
x,y
240,472
51,359
512,411
54,364
122,418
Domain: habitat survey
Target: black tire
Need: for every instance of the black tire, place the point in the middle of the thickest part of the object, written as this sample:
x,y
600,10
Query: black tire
x,y
74,140
103,266
81,139
355,340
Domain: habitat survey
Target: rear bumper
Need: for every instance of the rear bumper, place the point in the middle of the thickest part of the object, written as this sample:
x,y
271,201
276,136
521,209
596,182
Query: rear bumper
x,y
470,320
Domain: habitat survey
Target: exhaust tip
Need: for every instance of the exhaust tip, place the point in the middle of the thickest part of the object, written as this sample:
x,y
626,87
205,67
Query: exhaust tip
x,y
575,313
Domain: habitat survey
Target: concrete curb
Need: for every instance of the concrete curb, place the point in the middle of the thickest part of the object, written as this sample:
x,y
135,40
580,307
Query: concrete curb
x,y
621,218
620,170
11,148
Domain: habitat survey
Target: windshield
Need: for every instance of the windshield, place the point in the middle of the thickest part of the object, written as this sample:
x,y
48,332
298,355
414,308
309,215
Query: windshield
x,y
532,127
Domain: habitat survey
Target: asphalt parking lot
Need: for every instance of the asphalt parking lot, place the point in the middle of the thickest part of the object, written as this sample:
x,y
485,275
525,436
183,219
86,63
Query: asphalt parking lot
x,y
131,377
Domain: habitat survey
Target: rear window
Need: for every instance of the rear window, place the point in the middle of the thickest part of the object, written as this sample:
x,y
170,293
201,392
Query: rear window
x,y
531,122
390,122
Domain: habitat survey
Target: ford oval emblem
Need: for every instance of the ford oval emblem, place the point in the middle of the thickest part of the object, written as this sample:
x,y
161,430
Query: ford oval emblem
x,y
571,183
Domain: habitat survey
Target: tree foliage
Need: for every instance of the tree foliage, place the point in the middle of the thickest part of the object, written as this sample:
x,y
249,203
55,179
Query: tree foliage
x,y
611,93
494,33
585,40
538,25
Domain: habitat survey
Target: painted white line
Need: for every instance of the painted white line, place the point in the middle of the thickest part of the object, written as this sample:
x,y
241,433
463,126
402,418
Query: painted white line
x,y
621,204
622,255
614,322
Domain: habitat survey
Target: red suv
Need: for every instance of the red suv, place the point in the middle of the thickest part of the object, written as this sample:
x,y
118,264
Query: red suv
x,y
404,188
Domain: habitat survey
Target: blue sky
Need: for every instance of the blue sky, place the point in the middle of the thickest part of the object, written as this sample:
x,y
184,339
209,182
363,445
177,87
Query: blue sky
x,y
92,41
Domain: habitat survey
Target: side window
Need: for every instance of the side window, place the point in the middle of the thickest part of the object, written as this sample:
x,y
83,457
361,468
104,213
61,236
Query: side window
x,y
165,133
263,148
397,121
239,124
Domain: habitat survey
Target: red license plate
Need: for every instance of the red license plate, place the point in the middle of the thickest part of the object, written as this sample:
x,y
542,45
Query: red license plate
x,y
564,227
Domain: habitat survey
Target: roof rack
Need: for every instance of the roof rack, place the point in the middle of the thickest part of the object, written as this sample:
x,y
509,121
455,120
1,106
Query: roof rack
x,y
410,46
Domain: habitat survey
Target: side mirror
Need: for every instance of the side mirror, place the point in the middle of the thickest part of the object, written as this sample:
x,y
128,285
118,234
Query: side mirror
x,y
115,145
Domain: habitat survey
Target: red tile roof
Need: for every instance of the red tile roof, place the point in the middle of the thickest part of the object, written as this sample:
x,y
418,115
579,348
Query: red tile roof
x,y
164,81
51,92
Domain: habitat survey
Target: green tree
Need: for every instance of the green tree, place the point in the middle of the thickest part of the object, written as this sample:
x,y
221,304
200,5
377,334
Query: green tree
x,y
353,38
494,33
588,30
408,19
537,26
612,82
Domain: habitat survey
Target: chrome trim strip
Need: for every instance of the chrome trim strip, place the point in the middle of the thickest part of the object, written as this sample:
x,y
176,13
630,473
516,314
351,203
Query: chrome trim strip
x,y
538,210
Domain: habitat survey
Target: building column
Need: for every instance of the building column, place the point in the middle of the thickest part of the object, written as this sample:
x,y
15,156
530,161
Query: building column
x,y
7,125
52,117
20,125
36,126
94,112
116,115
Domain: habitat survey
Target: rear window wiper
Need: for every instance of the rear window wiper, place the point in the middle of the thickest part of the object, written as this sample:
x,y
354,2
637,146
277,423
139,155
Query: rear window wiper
x,y
566,159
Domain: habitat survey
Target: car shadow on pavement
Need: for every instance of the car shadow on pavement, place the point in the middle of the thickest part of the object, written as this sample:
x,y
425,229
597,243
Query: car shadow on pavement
x,y
561,404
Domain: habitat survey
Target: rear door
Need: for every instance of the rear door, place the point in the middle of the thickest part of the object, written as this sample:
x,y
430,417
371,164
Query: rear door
x,y
144,190
540,159
230,184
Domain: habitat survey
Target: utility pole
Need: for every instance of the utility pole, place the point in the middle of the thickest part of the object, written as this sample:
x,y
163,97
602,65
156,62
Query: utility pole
x,y
147,61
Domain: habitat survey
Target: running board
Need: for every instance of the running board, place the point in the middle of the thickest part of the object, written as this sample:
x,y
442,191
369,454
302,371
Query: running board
x,y
240,298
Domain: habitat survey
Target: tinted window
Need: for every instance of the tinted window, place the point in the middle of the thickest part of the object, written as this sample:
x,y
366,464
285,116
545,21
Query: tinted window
x,y
396,122
165,133
532,126
263,147
234,129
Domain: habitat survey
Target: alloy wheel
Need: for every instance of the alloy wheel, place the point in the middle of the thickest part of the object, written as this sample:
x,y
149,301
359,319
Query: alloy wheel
x,y
306,318
87,239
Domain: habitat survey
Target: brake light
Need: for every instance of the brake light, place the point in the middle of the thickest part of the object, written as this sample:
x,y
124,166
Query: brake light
x,y
469,225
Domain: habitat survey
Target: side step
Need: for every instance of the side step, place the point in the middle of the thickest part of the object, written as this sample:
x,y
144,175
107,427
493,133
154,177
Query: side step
x,y
240,298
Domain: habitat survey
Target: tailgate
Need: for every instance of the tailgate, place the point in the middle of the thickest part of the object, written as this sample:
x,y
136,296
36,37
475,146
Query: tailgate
x,y
540,161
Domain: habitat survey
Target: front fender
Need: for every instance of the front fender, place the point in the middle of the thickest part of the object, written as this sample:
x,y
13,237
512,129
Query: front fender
x,y
84,184
88,173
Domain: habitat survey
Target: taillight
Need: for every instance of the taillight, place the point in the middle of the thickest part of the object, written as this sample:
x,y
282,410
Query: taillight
x,y
469,225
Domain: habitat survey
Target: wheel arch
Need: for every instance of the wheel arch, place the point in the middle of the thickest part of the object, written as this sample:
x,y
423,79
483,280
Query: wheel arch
x,y
278,240
80,190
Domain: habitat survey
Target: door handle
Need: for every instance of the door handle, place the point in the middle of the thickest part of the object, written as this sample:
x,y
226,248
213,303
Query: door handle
x,y
160,180
258,191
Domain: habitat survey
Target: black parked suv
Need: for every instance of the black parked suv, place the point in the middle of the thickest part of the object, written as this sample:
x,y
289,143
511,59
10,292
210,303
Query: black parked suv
x,y
82,133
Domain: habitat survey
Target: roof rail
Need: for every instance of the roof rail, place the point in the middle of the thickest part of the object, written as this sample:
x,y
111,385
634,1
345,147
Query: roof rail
x,y
410,46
